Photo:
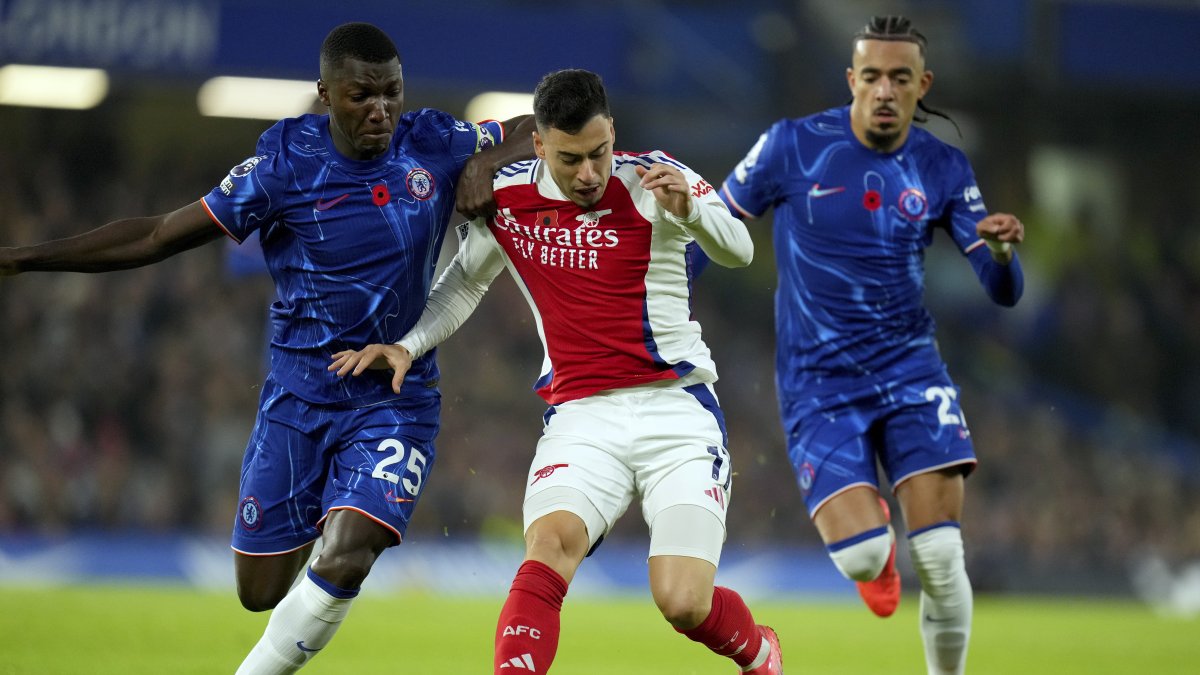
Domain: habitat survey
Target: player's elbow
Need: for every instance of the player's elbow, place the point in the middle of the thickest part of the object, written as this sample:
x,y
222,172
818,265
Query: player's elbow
x,y
745,256
740,255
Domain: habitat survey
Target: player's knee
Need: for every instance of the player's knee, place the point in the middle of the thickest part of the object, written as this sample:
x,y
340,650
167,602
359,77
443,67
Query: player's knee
x,y
684,607
557,538
259,598
346,568
862,557
937,556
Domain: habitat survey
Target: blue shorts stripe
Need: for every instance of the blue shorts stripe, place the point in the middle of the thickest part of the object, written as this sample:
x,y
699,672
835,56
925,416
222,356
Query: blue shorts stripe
x,y
860,537
944,523
330,588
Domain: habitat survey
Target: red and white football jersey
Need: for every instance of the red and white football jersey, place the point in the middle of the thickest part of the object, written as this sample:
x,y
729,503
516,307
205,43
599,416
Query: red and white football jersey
x,y
609,285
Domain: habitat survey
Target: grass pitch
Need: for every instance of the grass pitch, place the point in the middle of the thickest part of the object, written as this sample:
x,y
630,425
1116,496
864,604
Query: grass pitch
x,y
134,629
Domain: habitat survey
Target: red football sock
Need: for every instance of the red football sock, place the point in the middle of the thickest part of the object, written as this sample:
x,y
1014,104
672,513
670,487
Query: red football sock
x,y
729,629
527,633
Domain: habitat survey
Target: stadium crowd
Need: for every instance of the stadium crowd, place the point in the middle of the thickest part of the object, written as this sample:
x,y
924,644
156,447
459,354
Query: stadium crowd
x,y
126,398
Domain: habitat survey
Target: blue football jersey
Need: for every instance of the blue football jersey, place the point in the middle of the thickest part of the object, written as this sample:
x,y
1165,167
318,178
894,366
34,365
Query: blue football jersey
x,y
351,245
850,230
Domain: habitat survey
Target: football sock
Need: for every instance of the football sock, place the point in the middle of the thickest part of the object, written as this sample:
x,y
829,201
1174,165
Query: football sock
x,y
300,626
946,598
527,632
730,630
863,556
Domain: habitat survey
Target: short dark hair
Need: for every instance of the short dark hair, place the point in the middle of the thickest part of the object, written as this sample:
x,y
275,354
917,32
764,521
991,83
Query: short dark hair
x,y
359,41
893,29
567,99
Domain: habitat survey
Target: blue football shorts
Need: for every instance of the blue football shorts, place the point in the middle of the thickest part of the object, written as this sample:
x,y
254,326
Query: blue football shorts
x,y
836,438
304,460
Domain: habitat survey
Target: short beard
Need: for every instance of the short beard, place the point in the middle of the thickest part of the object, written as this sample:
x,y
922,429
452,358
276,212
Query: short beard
x,y
882,140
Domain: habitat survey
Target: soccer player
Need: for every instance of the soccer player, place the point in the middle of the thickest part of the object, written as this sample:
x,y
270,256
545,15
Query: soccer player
x,y
352,208
599,242
858,193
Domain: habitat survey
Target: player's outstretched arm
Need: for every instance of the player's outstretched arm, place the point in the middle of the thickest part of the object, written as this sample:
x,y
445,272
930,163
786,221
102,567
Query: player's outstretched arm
x,y
473,196
121,244
454,297
721,237
374,357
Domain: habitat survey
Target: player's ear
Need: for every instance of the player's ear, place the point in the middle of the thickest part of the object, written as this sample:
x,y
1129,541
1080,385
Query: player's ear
x,y
538,148
323,93
926,82
850,79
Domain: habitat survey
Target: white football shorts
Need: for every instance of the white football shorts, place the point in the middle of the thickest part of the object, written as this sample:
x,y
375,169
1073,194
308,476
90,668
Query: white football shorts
x,y
665,445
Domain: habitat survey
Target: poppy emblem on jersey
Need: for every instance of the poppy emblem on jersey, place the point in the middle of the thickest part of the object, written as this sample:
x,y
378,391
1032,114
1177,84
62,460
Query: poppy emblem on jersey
x,y
547,218
380,195
420,183
547,471
805,477
872,200
913,204
250,513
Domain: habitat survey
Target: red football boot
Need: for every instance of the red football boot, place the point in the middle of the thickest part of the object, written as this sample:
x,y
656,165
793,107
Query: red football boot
x,y
774,664
883,594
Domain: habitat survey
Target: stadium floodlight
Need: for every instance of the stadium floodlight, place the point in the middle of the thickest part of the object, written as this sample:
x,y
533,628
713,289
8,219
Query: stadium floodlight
x,y
498,105
255,98
52,87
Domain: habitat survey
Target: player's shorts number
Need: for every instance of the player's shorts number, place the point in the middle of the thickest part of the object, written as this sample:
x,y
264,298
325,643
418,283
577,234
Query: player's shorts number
x,y
944,395
414,466
721,466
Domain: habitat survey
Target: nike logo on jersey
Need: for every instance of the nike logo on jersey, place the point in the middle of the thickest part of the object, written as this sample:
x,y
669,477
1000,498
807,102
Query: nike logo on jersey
x,y
322,205
300,644
818,191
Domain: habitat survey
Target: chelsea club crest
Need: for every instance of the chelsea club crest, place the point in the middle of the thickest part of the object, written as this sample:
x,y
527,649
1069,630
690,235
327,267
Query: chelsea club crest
x,y
420,183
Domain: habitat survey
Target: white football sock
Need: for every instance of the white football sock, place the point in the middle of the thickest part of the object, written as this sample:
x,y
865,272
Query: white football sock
x,y
300,626
946,597
863,557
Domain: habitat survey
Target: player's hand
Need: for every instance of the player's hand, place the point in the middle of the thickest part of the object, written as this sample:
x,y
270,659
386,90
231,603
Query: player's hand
x,y
474,197
1000,231
1001,227
374,357
669,186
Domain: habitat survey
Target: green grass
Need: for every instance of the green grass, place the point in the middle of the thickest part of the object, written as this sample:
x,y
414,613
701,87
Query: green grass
x,y
135,629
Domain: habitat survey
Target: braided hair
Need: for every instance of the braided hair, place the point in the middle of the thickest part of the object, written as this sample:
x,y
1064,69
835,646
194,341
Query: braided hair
x,y
897,28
